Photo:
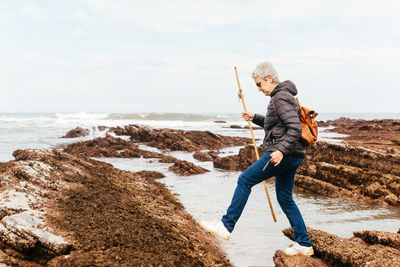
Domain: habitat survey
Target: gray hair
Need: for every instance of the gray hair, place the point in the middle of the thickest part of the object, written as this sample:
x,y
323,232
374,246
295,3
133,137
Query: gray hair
x,y
264,69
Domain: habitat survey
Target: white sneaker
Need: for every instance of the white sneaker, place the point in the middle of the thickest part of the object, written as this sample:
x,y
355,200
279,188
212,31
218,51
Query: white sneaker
x,y
217,228
296,249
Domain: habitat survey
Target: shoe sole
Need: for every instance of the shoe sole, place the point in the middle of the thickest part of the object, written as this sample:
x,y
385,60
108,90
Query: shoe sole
x,y
211,231
301,253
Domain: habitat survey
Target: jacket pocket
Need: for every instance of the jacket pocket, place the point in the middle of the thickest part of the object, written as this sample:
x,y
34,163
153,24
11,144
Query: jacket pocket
x,y
278,132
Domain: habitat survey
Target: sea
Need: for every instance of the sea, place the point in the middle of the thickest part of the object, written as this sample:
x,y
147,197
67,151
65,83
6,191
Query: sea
x,y
206,196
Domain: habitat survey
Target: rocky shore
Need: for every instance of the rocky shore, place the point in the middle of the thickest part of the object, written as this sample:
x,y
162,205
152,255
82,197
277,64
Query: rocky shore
x,y
338,170
59,209
331,250
379,135
64,208
179,140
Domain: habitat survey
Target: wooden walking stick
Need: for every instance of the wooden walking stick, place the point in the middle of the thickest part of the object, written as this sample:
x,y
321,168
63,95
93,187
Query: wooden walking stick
x,y
254,143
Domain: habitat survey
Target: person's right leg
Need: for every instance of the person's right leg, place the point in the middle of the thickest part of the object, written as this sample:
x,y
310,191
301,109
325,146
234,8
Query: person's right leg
x,y
250,177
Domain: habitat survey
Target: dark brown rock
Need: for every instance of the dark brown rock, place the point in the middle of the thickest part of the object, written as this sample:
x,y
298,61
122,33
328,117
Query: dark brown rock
x,y
118,130
183,167
379,237
283,260
167,159
240,162
108,216
102,127
253,127
109,146
219,121
179,140
396,141
374,134
336,251
205,156
230,163
150,174
77,132
342,170
112,147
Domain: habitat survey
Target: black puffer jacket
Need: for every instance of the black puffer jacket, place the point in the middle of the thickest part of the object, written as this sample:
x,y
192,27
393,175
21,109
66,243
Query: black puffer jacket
x,y
282,128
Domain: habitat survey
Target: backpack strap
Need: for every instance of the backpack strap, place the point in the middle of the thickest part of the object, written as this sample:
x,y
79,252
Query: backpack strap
x,y
273,100
273,104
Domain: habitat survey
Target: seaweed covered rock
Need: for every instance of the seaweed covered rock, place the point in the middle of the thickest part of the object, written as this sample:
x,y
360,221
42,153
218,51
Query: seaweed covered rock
x,y
58,209
283,260
240,162
336,251
179,140
342,170
110,147
183,167
76,132
205,156
379,237
381,135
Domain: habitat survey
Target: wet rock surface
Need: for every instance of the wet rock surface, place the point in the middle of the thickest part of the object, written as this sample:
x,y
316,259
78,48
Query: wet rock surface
x,y
337,170
381,135
77,132
113,147
55,203
283,260
240,162
179,140
110,147
343,170
336,251
183,167
205,156
379,237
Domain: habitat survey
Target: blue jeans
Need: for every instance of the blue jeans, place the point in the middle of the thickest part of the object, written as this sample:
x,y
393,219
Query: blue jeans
x,y
284,180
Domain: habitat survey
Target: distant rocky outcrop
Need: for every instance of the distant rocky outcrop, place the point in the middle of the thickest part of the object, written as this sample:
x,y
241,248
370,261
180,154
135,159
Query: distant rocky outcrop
x,y
179,140
110,147
113,147
59,209
382,135
77,132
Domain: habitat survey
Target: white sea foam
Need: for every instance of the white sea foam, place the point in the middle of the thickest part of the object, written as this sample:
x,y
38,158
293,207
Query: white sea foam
x,y
82,116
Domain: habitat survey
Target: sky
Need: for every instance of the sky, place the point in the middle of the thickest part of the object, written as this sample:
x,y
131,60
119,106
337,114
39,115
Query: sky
x,y
179,56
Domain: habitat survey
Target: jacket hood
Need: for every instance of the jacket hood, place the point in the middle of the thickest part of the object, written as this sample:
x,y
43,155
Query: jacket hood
x,y
287,86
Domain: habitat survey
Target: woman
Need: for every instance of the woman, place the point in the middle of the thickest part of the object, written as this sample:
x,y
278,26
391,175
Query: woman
x,y
284,149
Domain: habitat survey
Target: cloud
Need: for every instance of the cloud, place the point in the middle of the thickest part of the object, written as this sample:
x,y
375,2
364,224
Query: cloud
x,y
78,32
180,15
36,13
184,51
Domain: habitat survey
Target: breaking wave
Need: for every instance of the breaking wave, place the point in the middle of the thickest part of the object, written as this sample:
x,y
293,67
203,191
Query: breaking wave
x,y
172,116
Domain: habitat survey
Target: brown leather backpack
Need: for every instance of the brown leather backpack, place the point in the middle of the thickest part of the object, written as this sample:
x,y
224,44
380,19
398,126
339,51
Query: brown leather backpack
x,y
309,133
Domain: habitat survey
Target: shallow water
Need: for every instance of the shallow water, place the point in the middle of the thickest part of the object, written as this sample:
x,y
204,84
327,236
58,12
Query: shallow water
x,y
256,236
207,196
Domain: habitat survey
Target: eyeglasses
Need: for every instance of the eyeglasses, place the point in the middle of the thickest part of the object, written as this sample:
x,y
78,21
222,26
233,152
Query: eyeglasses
x,y
258,85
